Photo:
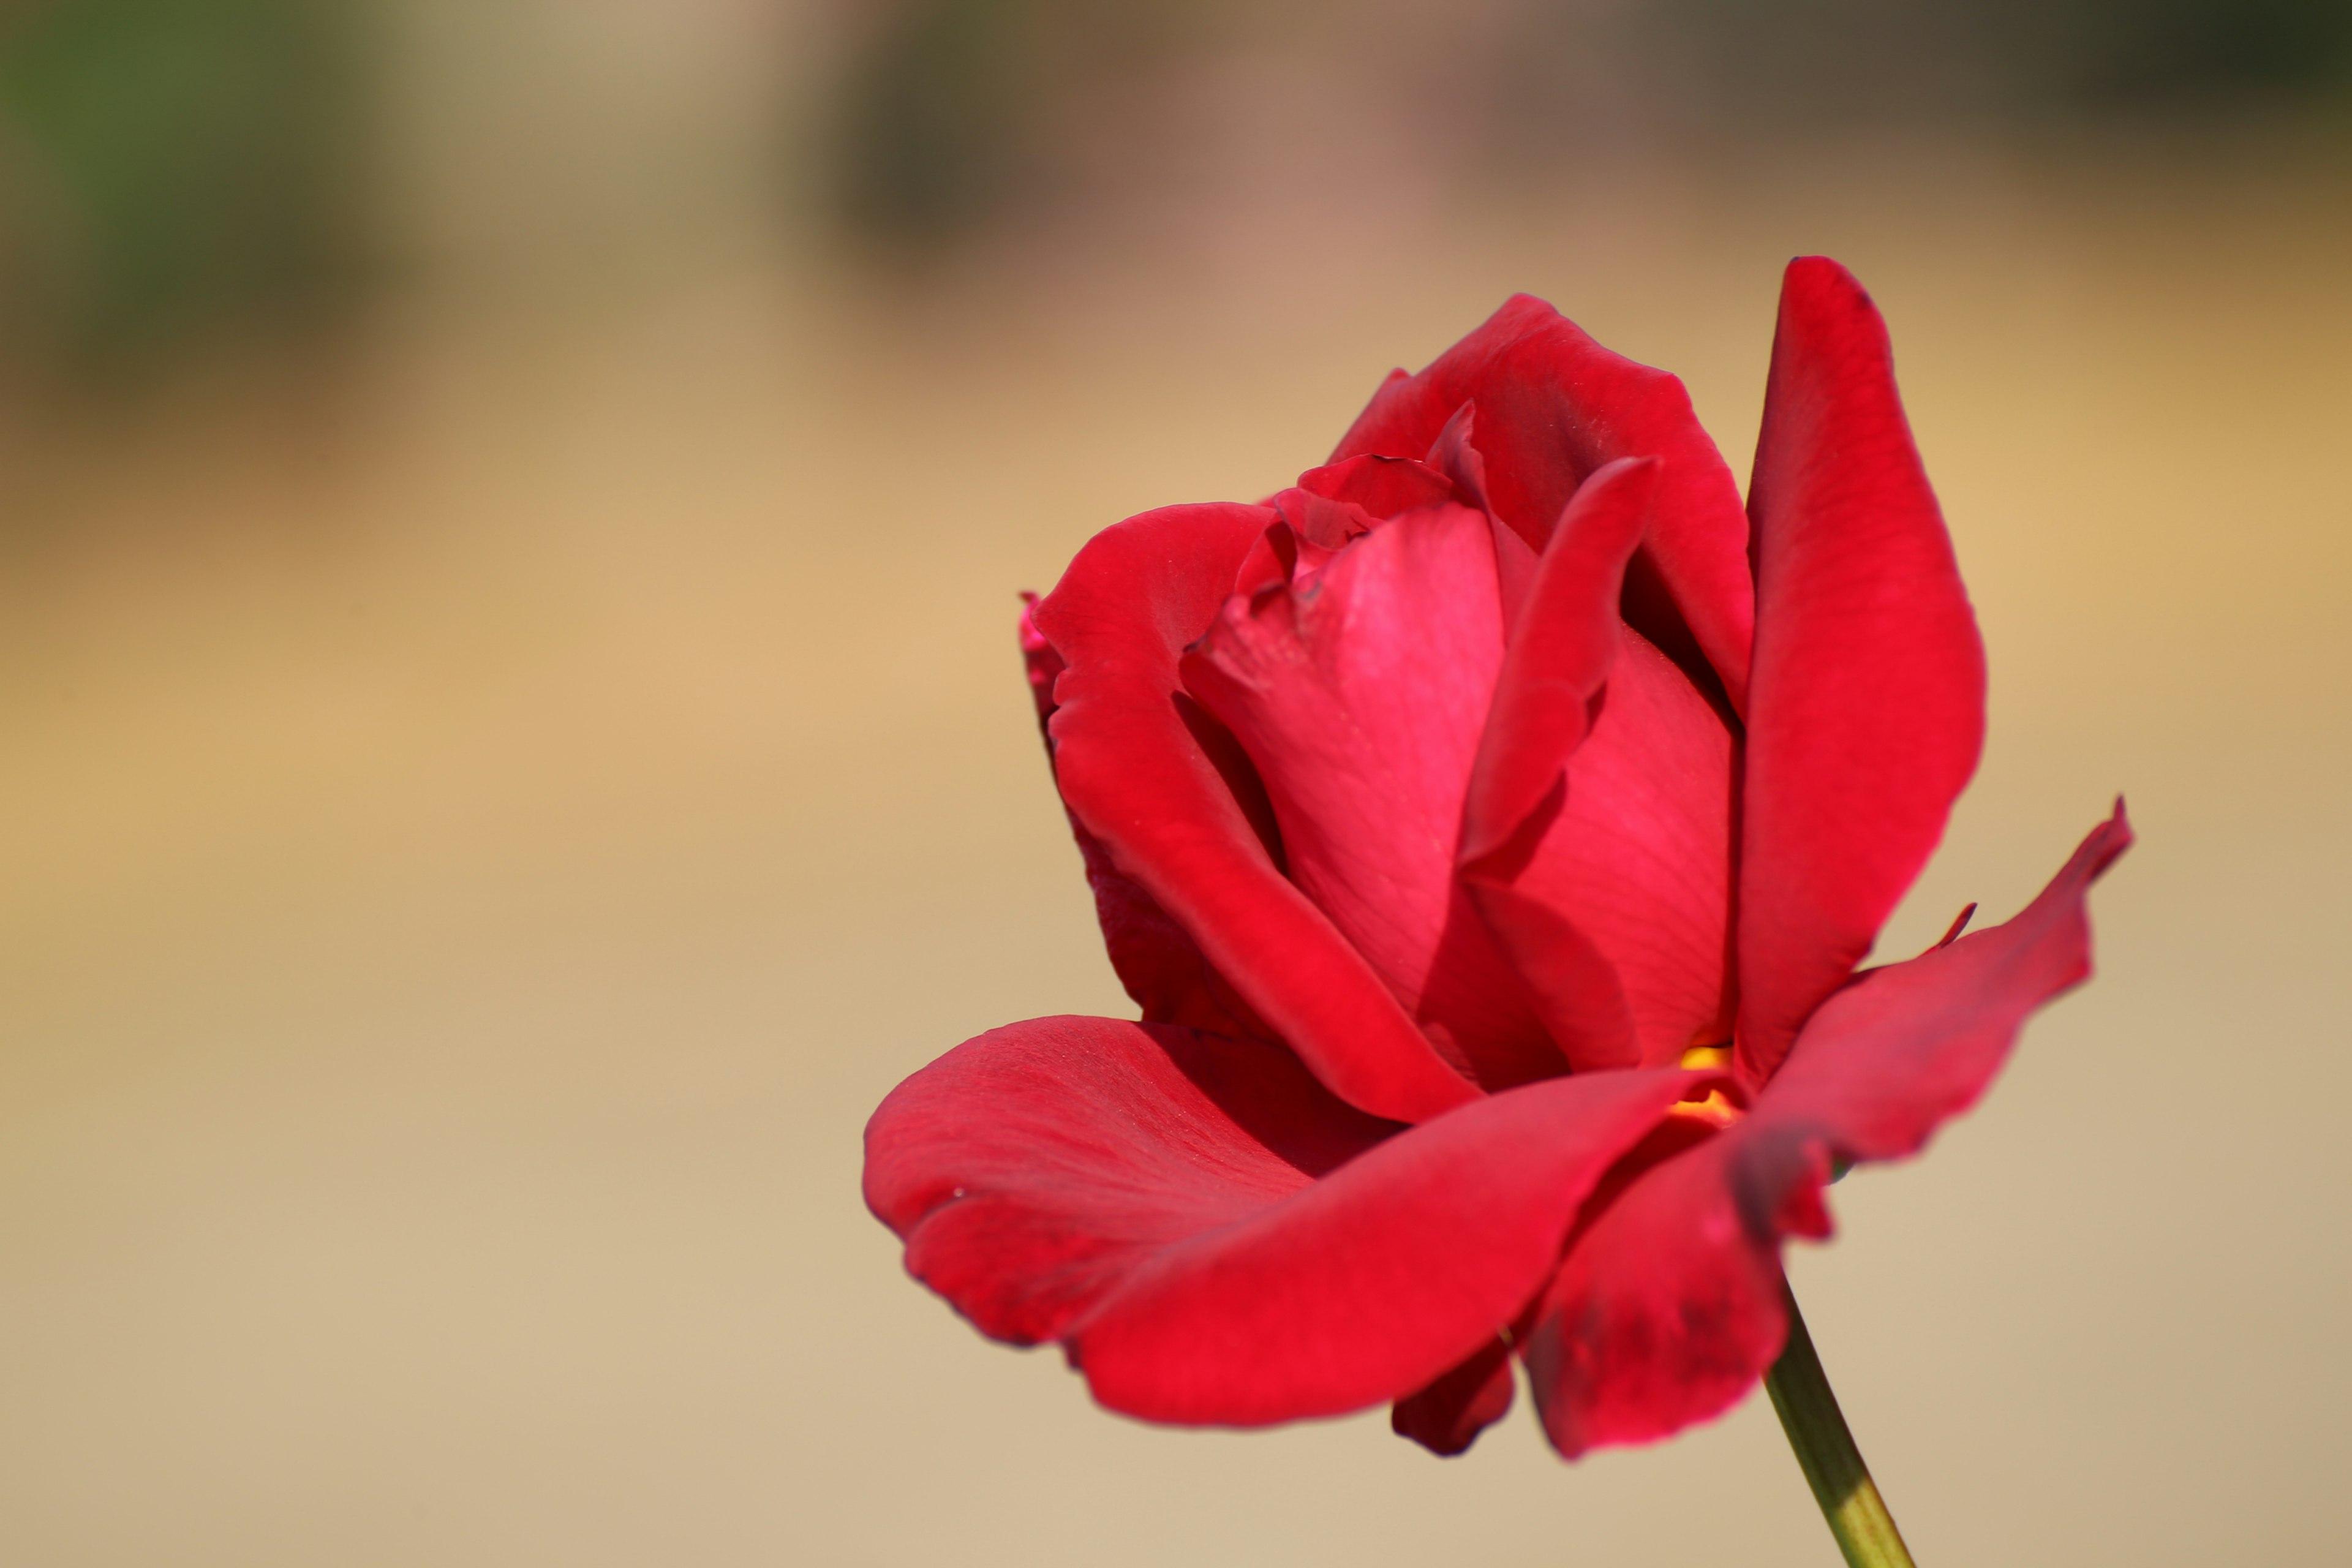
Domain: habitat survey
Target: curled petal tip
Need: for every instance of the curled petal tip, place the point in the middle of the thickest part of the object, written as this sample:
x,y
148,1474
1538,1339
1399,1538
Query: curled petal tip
x,y
2109,840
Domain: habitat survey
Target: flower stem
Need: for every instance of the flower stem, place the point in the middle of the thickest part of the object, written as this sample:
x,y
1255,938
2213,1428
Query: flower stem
x,y
1808,1413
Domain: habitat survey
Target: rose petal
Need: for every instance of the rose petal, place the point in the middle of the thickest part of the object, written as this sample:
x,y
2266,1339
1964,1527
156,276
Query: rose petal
x,y
1554,407
1561,653
1359,699
1446,1416
1134,770
1615,847
1665,1311
1867,706
1160,966
1667,1307
1911,1045
1212,1234
1383,486
1559,657
1638,857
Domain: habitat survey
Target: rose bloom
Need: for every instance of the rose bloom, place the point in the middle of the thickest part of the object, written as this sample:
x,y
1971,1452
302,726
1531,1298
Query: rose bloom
x,y
1488,829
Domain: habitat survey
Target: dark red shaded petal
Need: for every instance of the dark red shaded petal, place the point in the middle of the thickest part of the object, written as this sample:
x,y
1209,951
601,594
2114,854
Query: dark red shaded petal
x,y
1160,966
1452,455
1570,983
1867,708
1447,1417
1320,522
1134,772
1668,1305
1554,407
1212,1236
1359,698
1666,1309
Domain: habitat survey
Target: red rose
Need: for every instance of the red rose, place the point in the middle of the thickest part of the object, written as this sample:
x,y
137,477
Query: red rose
x,y
1488,829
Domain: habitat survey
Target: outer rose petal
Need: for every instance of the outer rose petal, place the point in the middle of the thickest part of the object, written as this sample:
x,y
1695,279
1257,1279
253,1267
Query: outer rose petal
x,y
1134,772
1665,1311
1553,407
1160,966
1912,1044
1867,708
1668,1306
1215,1238
1360,697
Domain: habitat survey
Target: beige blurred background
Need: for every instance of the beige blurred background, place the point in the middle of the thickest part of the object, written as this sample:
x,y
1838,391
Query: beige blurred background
x,y
510,739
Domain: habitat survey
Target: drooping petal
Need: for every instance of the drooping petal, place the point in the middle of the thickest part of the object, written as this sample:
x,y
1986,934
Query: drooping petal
x,y
1448,1416
1866,710
1554,407
1160,966
1161,786
1212,1234
1359,698
1667,1307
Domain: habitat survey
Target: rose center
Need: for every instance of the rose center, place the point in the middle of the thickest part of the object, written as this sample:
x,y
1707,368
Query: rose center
x,y
1710,1107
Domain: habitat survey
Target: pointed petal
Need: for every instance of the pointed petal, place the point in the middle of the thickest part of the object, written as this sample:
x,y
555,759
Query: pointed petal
x,y
1667,1307
1213,1236
1359,698
1554,407
1910,1045
1163,788
1867,706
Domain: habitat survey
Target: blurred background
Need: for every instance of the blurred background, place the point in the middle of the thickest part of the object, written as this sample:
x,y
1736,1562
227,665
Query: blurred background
x,y
511,741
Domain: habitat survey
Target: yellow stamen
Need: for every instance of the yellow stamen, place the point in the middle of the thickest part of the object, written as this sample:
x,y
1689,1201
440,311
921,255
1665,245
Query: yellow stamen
x,y
1713,1109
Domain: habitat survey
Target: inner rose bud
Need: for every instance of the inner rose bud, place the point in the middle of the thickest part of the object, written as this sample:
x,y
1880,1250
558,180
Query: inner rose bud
x,y
1357,664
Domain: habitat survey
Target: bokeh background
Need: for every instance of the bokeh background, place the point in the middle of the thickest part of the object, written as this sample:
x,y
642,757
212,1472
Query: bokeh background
x,y
510,739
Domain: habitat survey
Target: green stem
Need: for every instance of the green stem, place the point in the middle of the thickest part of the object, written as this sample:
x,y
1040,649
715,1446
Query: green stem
x,y
1808,1413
